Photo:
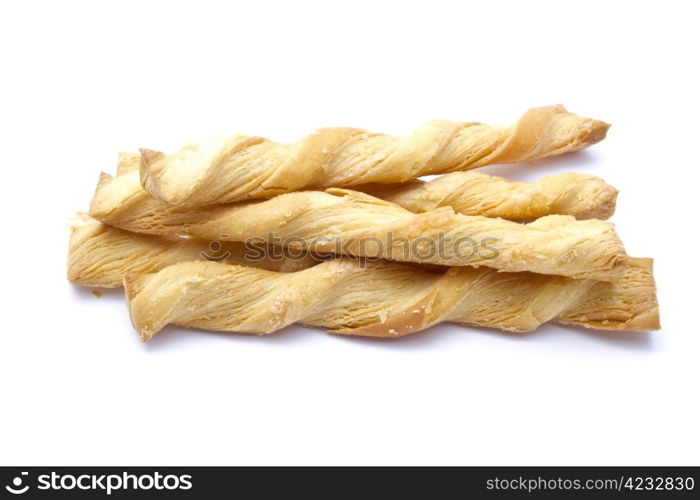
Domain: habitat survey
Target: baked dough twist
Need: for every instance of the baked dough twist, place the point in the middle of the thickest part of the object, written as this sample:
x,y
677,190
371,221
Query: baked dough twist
x,y
383,299
122,202
101,256
472,193
344,222
222,170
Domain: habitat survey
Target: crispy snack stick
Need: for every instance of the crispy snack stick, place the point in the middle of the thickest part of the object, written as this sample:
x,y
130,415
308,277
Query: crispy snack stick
x,y
383,299
473,193
223,170
351,223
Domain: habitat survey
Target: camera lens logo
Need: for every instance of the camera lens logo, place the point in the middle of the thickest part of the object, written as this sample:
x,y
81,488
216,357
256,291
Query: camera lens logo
x,y
16,487
215,247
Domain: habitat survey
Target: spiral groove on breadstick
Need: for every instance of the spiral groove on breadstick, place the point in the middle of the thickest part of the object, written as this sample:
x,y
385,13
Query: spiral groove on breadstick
x,y
222,170
383,299
101,256
472,193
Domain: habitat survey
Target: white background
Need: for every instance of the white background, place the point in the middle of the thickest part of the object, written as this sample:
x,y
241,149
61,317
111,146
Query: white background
x,y
81,81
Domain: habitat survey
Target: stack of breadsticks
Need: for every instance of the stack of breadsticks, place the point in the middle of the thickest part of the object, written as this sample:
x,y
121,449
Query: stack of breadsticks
x,y
336,231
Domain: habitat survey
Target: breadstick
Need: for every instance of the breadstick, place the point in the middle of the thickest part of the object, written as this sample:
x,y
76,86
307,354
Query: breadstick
x,y
222,170
122,202
383,299
101,256
351,223
472,193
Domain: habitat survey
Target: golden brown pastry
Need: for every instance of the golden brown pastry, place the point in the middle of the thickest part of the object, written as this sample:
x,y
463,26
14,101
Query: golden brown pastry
x,y
122,202
383,299
344,222
101,256
222,170
472,193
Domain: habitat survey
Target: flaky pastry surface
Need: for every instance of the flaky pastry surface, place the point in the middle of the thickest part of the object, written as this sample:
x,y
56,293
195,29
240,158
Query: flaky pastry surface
x,y
384,299
472,193
345,222
222,170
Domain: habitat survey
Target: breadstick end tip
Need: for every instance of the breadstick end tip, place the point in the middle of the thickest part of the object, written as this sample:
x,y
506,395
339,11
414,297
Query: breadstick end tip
x,y
597,132
141,317
133,284
149,156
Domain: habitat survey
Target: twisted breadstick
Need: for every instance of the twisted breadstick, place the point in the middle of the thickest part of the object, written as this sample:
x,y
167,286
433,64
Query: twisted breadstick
x,y
237,168
383,299
101,256
351,223
472,193
122,202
